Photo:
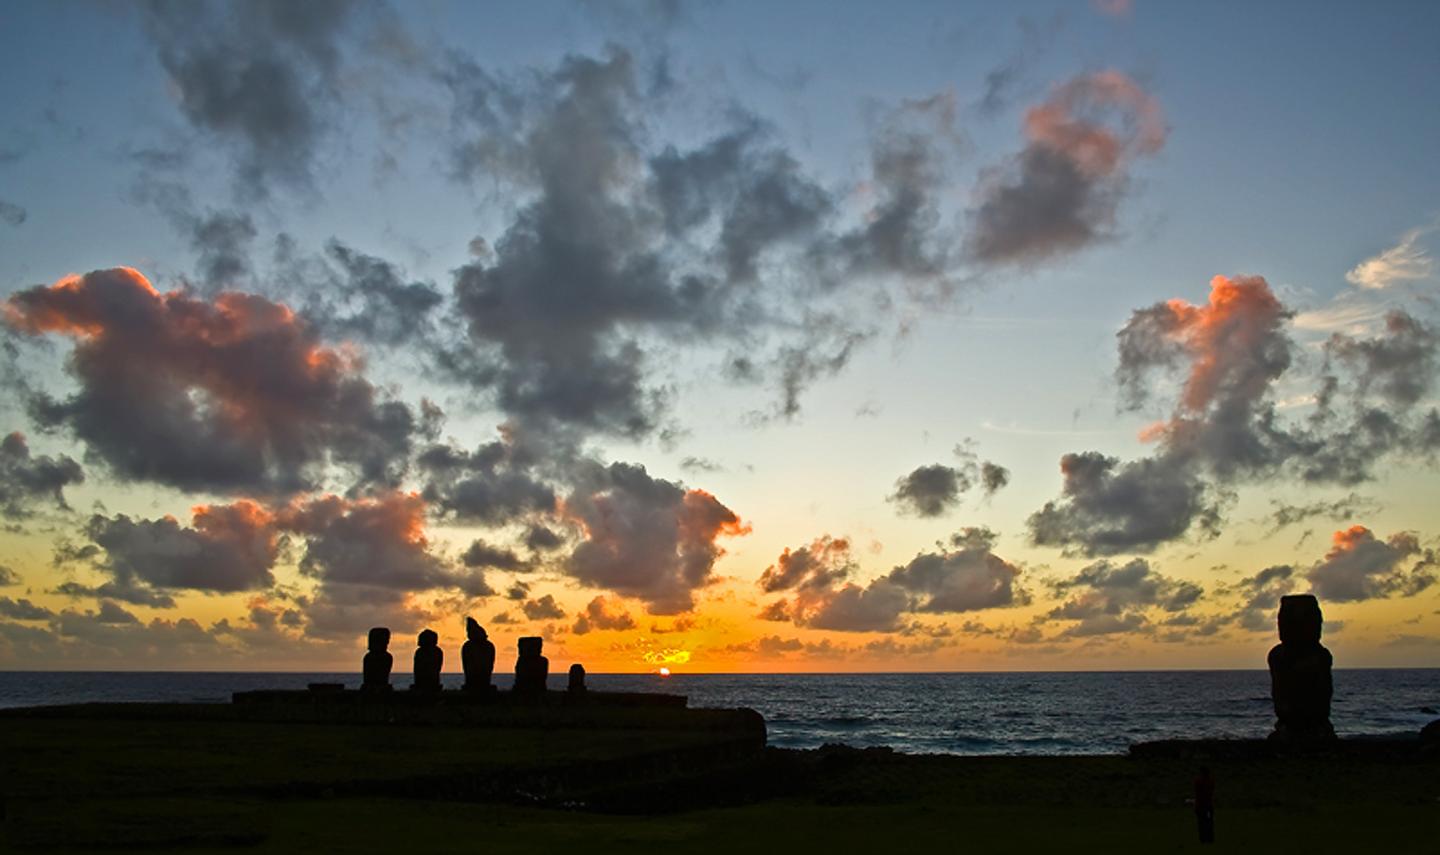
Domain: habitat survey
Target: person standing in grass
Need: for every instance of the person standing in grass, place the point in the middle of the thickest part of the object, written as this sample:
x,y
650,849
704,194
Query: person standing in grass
x,y
1205,805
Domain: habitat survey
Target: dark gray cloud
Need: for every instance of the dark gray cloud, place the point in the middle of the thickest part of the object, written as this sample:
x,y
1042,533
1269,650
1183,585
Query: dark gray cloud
x,y
1260,598
1226,427
370,557
993,477
23,610
968,578
1107,598
816,565
554,316
1398,366
8,577
901,229
622,245
375,543
700,465
602,614
936,489
539,538
645,537
132,591
1061,193
494,485
930,491
1108,507
354,296
776,611
113,613
823,350
545,608
1361,566
231,395
12,214
482,554
226,548
1371,404
875,607
222,240
260,78
1345,508
114,637
26,479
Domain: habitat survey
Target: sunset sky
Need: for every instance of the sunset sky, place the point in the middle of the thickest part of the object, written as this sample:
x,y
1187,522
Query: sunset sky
x,y
722,336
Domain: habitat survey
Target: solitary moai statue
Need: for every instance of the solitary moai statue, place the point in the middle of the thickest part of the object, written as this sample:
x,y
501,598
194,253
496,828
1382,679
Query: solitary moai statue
x,y
376,665
531,668
577,679
429,658
478,658
1300,683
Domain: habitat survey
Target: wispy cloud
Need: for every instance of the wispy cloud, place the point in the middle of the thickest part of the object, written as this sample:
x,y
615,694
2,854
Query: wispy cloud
x,y
1347,313
1406,261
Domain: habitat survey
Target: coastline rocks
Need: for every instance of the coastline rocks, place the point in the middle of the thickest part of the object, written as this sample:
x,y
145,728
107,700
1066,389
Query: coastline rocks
x,y
1300,681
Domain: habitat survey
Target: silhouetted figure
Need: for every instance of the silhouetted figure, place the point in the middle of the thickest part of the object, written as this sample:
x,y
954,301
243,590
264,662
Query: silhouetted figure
x,y
577,679
1205,805
1300,682
477,656
377,662
428,660
531,669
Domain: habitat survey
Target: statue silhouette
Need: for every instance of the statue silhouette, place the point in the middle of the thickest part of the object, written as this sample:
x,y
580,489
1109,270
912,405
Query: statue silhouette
x,y
577,678
477,656
376,665
531,668
1300,682
428,660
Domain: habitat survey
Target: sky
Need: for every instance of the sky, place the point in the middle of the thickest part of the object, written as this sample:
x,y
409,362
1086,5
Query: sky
x,y
718,336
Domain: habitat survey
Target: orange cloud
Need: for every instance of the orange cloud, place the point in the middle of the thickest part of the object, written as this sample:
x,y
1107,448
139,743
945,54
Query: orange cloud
x,y
1068,124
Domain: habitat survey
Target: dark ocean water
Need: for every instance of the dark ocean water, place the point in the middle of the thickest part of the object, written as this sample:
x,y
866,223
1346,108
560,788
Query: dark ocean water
x,y
1004,713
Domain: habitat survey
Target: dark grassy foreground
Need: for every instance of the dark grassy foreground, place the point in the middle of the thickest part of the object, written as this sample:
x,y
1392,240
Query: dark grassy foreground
x,y
112,778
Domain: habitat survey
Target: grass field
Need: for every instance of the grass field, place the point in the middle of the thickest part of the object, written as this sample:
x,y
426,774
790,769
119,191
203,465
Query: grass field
x,y
103,784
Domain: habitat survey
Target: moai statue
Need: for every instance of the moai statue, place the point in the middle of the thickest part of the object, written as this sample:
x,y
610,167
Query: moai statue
x,y
531,668
1300,682
577,679
478,657
429,658
377,662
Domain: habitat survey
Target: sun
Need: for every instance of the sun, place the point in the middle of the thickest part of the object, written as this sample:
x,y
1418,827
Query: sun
x,y
664,672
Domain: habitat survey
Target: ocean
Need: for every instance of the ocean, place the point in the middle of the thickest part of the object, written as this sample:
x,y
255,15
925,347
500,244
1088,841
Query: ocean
x,y
974,713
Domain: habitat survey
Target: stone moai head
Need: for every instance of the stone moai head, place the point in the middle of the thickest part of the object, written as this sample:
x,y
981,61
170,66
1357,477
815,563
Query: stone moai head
x,y
379,638
473,630
531,645
1300,619
428,638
